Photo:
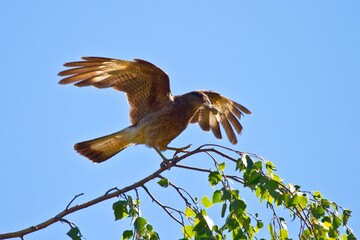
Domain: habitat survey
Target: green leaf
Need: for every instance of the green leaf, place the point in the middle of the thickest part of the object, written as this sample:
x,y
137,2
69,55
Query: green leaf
x,y
139,224
270,166
336,222
188,231
189,212
206,202
214,178
345,216
351,235
221,167
259,191
149,228
306,234
240,165
326,220
299,200
279,198
245,221
271,186
284,234
226,194
232,223
317,210
259,224
272,232
74,233
251,178
127,234
203,227
287,199
294,200
303,201
248,162
333,234
154,236
217,197
164,182
238,206
325,203
258,165
120,209
317,195
275,177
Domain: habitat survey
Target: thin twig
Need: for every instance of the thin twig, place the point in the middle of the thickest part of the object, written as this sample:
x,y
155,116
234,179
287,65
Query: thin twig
x,y
164,206
178,190
76,196
193,168
112,189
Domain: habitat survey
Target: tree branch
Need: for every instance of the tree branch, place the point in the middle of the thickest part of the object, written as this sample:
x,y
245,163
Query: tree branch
x,y
166,208
108,195
267,186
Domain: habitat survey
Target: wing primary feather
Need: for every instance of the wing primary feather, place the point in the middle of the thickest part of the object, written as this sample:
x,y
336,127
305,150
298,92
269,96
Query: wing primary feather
x,y
234,122
241,108
228,130
79,77
79,70
83,64
236,112
90,81
214,126
204,119
97,59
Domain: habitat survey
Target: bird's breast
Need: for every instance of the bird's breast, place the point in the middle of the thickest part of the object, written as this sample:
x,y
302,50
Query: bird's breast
x,y
161,127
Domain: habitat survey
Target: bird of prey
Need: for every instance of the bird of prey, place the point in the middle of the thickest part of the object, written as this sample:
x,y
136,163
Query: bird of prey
x,y
156,116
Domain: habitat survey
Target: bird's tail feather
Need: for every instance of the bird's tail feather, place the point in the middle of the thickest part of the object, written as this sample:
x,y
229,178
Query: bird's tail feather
x,y
100,149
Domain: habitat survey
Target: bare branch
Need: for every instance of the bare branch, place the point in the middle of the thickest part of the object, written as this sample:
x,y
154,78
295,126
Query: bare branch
x,y
114,192
178,190
166,208
109,194
193,168
76,196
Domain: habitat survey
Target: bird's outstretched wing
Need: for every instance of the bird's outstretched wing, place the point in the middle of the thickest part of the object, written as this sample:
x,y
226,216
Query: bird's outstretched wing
x,y
227,114
146,86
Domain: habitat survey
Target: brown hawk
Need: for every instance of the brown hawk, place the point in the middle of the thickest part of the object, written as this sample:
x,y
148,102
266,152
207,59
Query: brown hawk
x,y
157,117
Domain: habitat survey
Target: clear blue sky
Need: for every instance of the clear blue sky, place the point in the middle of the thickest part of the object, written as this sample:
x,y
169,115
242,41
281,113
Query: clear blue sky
x,y
294,64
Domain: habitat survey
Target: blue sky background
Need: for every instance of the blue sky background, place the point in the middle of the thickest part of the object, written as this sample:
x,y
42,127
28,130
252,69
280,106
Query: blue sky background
x,y
294,64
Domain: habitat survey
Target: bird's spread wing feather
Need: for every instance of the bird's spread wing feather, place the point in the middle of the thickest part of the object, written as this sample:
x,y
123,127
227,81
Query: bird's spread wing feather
x,y
227,113
146,86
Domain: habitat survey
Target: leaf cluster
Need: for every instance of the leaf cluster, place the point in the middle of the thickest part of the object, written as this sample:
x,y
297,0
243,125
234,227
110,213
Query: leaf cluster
x,y
129,208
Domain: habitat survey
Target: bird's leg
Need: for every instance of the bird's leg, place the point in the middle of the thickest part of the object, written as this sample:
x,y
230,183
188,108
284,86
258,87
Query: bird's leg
x,y
165,160
179,150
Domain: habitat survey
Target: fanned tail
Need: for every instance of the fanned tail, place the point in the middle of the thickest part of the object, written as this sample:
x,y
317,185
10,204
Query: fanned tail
x,y
101,149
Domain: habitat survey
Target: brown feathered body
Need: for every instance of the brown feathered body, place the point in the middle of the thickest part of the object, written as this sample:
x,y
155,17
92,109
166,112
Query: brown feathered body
x,y
157,117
